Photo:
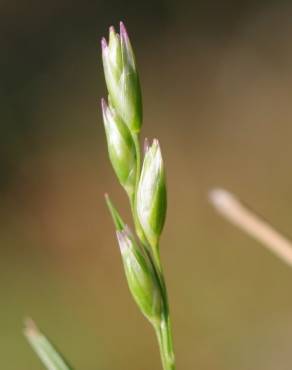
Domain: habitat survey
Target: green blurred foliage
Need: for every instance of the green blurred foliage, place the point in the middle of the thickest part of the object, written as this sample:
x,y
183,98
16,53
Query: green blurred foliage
x,y
216,83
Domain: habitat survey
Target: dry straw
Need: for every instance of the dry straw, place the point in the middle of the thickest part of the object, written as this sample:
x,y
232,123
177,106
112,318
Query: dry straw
x,y
230,207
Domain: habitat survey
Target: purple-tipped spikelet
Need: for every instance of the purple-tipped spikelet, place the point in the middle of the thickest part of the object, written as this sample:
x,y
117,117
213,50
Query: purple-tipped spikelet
x,y
122,78
121,147
151,194
140,275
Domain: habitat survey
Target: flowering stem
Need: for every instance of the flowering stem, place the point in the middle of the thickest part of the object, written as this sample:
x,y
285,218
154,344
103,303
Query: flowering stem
x,y
164,337
144,184
163,328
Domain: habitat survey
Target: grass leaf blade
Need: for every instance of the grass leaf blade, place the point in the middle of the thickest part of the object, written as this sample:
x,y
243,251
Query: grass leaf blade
x,y
119,224
45,350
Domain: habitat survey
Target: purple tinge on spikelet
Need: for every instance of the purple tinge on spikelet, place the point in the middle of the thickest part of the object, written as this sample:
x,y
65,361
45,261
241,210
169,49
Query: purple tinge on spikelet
x,y
146,145
124,36
103,105
123,31
123,241
103,44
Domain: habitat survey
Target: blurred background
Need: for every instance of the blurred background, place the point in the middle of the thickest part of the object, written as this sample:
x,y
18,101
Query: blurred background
x,y
217,89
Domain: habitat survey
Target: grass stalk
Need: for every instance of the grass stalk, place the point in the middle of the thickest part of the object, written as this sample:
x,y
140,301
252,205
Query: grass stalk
x,y
230,207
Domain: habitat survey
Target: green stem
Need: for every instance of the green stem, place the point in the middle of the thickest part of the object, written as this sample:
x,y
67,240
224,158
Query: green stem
x,y
163,328
159,269
164,337
156,257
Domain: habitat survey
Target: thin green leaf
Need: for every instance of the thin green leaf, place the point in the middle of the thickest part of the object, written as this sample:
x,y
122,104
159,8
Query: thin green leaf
x,y
119,223
47,353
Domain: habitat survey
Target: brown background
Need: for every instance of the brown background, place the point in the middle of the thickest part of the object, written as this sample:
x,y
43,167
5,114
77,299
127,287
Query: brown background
x,y
216,80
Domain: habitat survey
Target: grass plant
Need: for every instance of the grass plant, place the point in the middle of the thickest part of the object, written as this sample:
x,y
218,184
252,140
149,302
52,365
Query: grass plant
x,y
143,180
